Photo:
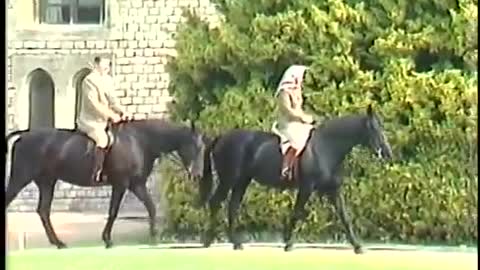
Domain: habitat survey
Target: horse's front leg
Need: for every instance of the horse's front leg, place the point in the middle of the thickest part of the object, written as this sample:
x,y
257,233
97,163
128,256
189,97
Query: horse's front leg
x,y
117,195
214,206
141,192
299,213
339,203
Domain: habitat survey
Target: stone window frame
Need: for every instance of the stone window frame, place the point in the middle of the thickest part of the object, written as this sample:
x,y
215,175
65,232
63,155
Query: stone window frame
x,y
30,28
43,5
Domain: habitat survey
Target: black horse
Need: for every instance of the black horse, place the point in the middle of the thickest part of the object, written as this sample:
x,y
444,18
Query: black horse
x,y
46,155
242,155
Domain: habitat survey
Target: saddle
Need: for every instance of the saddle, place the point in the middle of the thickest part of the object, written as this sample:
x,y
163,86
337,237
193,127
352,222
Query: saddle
x,y
289,155
112,137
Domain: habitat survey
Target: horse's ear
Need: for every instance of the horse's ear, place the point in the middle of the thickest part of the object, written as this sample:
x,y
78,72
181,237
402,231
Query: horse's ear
x,y
370,110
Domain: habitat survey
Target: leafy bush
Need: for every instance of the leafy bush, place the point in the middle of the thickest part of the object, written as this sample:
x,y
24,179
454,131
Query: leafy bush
x,y
415,61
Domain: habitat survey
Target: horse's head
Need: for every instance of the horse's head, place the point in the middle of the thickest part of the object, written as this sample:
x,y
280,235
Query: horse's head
x,y
191,153
377,140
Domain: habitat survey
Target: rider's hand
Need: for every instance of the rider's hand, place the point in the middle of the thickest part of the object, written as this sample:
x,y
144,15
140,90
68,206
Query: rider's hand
x,y
115,118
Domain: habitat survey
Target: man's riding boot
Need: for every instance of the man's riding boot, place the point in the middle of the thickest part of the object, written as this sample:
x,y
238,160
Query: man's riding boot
x,y
99,160
288,160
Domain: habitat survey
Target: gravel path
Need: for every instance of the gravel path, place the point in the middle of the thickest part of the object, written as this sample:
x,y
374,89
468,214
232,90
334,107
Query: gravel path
x,y
72,228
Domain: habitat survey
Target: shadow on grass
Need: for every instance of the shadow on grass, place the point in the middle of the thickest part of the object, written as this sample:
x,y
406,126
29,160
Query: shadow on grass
x,y
339,247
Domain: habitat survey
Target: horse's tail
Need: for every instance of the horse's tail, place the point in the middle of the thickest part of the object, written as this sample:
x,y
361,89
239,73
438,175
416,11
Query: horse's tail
x,y
206,183
13,134
10,158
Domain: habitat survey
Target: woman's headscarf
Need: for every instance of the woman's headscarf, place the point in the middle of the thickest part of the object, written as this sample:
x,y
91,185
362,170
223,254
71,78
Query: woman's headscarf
x,y
292,78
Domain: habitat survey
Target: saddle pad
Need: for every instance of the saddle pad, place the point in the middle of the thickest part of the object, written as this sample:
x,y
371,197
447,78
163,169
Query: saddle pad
x,y
284,142
284,146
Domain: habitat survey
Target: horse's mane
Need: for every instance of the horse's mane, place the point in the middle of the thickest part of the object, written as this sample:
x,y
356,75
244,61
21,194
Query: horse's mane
x,y
345,122
157,123
138,123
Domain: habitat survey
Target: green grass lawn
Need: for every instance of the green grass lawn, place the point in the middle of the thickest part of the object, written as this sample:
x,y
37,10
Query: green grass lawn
x,y
221,258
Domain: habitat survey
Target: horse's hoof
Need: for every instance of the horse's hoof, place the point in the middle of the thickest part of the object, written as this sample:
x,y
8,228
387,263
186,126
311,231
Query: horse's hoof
x,y
108,244
288,247
153,242
61,245
207,243
237,247
154,237
358,250
207,239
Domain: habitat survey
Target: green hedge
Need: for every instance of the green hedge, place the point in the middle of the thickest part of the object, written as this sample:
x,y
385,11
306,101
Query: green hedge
x,y
415,62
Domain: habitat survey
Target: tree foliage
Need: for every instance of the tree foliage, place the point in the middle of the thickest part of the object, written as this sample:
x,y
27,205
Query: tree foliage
x,y
416,61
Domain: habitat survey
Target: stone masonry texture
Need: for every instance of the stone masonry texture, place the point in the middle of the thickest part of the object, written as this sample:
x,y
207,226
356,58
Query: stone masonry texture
x,y
140,40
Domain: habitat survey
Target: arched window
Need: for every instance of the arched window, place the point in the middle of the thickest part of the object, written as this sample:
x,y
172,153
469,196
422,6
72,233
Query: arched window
x,y
77,81
42,96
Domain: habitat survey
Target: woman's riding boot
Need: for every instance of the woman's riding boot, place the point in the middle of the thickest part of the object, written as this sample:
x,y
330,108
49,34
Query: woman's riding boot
x,y
99,159
291,162
288,160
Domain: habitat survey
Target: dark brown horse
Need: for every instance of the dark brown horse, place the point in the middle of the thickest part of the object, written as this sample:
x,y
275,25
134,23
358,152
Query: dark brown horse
x,y
242,155
47,155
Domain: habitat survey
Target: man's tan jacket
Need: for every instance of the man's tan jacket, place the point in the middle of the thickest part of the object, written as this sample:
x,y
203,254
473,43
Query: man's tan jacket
x,y
98,104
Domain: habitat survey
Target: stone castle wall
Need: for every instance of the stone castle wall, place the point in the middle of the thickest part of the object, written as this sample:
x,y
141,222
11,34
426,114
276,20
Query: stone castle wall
x,y
140,39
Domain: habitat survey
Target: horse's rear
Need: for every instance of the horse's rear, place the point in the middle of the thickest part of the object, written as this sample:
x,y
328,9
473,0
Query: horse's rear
x,y
25,156
261,153
37,155
241,155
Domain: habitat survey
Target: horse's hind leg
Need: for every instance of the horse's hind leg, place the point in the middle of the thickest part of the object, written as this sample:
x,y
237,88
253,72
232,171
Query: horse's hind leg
x,y
46,187
214,205
140,191
15,185
236,198
19,178
117,195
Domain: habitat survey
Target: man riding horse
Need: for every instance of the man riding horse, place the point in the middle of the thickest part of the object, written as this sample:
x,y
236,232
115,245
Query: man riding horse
x,y
293,124
44,156
99,105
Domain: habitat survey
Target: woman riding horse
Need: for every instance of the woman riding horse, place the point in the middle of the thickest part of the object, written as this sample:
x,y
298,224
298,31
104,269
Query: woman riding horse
x,y
293,124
